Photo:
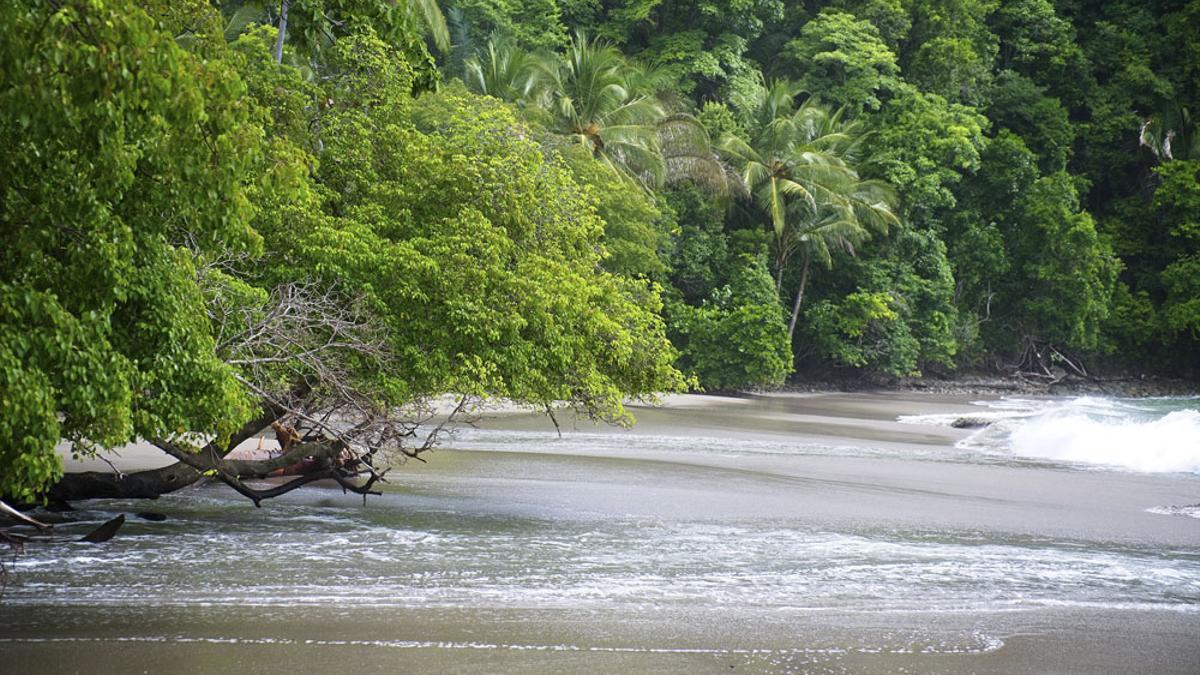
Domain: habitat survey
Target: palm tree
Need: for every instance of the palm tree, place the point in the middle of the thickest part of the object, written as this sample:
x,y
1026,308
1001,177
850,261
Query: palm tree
x,y
613,107
790,154
503,70
604,102
862,206
797,162
688,154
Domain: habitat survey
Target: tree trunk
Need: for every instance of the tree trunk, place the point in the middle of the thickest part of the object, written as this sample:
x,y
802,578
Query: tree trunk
x,y
153,482
799,299
283,12
782,257
138,485
327,455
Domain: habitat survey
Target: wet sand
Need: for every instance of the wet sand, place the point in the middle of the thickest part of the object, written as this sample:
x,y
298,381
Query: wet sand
x,y
1097,583
519,641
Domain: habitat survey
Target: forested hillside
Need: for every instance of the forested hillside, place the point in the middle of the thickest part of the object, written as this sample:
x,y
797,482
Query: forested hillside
x,y
927,184
216,216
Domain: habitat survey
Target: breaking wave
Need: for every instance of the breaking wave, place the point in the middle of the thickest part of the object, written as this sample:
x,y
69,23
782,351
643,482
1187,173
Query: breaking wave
x,y
1147,435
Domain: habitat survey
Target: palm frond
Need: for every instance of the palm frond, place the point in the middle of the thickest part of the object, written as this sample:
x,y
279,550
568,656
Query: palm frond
x,y
433,20
249,12
798,161
501,69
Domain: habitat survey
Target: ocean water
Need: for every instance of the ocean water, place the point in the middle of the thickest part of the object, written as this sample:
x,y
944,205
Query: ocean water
x,y
1150,435
213,552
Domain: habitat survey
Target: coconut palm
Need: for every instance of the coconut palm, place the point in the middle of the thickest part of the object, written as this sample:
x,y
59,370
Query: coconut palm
x,y
593,96
688,154
503,70
612,106
790,154
604,102
862,207
798,163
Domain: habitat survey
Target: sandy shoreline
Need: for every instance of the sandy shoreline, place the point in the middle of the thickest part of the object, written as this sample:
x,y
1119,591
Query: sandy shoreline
x,y
320,641
798,532
904,475
844,415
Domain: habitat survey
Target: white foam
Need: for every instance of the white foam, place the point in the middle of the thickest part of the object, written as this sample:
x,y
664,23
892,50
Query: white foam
x,y
976,642
1192,511
1168,444
1145,435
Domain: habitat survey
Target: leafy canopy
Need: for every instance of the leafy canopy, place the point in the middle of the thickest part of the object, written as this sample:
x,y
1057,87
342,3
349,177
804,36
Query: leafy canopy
x,y
119,148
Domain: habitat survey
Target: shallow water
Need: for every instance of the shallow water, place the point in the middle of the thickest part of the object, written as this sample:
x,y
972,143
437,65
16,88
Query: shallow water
x,y
768,534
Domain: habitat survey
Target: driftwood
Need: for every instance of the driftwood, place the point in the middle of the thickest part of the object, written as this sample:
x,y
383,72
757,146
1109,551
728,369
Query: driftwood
x,y
1044,364
149,484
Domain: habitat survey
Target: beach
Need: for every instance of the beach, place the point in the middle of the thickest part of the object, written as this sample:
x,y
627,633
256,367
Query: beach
x,y
803,532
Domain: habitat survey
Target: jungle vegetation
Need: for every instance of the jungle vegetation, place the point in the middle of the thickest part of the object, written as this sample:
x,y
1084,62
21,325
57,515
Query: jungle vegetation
x,y
329,214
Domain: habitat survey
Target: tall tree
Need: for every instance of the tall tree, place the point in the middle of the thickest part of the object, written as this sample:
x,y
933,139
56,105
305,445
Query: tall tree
x,y
313,25
798,163
844,59
138,305
855,209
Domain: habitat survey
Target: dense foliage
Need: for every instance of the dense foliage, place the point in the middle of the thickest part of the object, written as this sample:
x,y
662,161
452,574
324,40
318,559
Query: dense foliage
x,y
1030,165
116,143
158,195
526,198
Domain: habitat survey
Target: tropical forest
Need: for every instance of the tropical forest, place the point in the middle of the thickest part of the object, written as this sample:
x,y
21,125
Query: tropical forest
x,y
664,336
357,205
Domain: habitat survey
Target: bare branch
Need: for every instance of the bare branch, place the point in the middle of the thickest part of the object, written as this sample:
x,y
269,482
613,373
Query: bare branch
x,y
21,517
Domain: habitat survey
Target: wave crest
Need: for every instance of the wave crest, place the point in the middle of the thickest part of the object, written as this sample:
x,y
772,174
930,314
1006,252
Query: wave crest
x,y
1168,444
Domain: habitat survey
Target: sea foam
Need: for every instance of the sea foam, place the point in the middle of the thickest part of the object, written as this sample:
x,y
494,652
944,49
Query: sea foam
x,y
1147,435
1170,443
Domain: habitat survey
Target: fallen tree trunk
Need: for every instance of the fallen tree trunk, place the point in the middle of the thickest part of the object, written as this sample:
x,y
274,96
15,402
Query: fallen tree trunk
x,y
152,483
149,484
326,452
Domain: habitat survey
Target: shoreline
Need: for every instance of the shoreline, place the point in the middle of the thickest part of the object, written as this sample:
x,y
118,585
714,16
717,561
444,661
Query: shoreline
x,y
906,397
985,384
720,532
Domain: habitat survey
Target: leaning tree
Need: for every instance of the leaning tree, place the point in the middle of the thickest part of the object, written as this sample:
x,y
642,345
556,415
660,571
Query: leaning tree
x,y
201,244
